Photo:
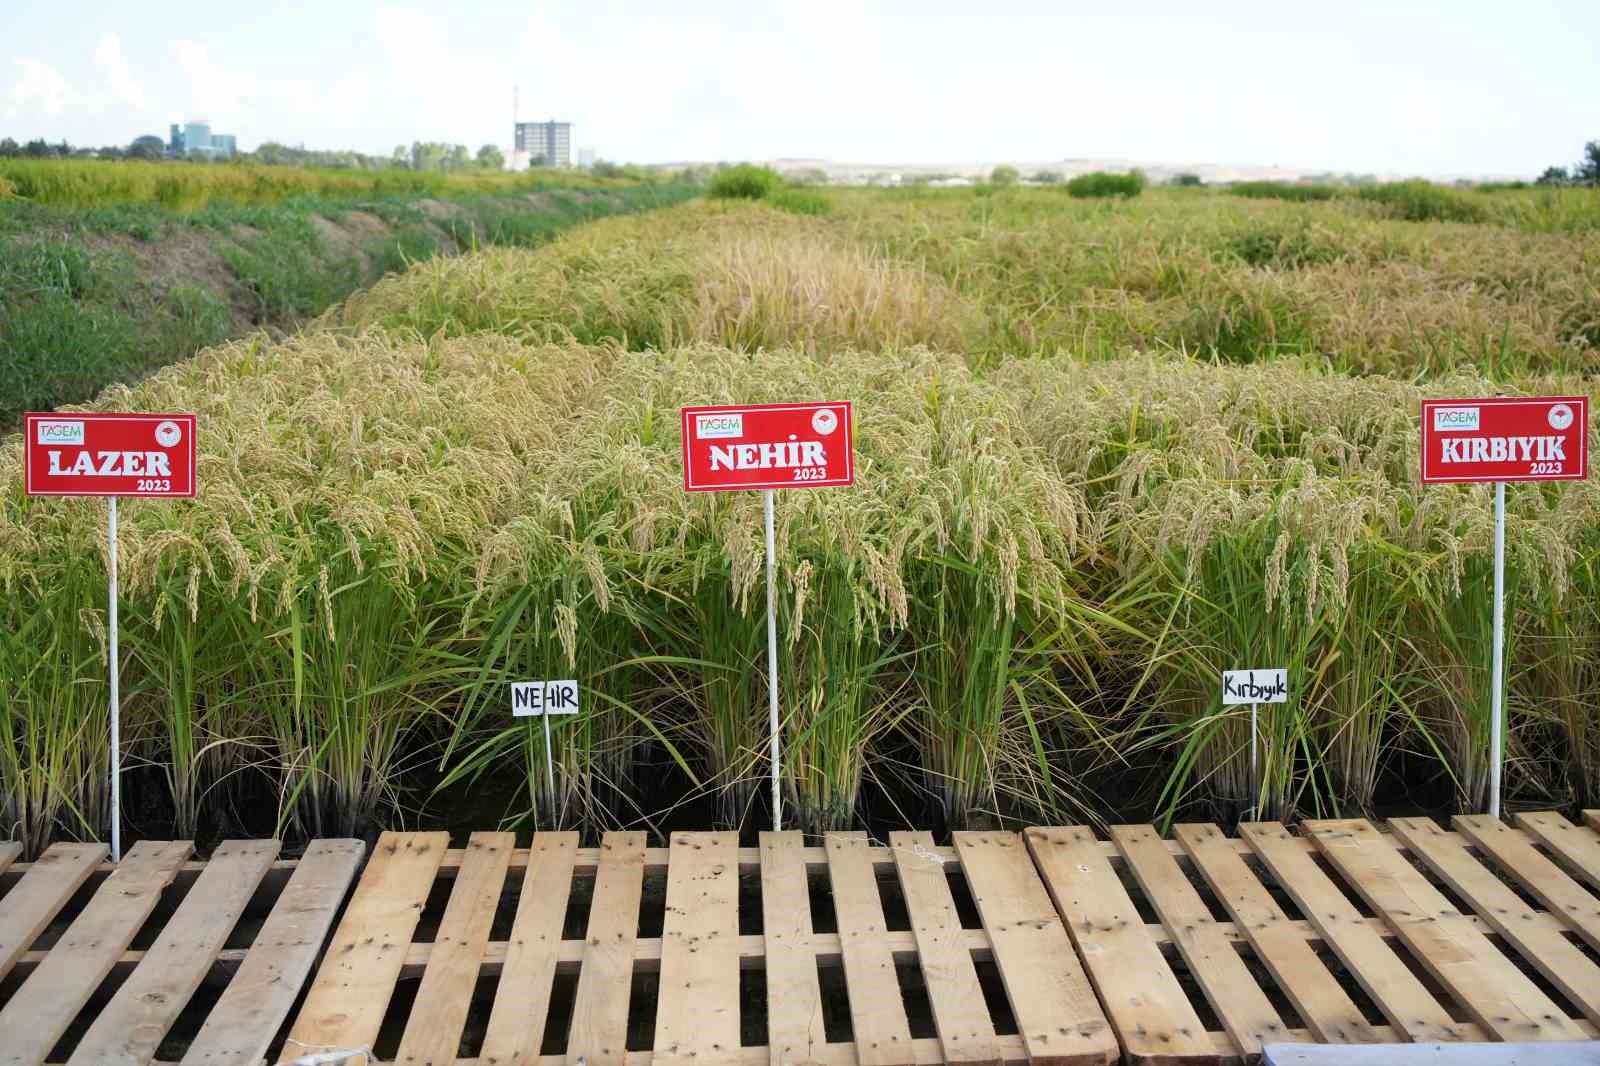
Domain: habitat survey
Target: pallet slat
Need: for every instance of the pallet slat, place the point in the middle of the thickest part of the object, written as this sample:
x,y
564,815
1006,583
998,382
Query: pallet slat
x,y
353,986
1057,1014
697,1008
522,1003
1402,998
9,850
438,1014
1577,845
1245,1011
1552,954
959,1013
274,969
877,1013
1316,995
795,1032
1546,881
599,1033
1151,1014
1496,993
50,998
130,1027
36,899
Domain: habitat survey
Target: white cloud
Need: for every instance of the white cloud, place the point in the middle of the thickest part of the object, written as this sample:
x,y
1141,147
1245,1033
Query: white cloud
x,y
108,54
39,89
217,93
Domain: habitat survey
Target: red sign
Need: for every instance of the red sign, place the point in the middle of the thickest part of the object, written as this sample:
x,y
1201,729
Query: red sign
x,y
109,455
769,446
1505,438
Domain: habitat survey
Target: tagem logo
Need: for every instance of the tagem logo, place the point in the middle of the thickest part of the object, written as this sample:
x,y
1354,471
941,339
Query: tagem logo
x,y
711,427
51,432
1560,416
1455,419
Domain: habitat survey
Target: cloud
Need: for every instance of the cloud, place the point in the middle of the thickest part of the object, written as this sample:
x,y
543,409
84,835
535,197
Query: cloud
x,y
39,89
108,54
217,92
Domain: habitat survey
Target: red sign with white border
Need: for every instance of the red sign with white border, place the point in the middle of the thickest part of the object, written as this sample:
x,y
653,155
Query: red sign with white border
x,y
1505,438
768,446
82,454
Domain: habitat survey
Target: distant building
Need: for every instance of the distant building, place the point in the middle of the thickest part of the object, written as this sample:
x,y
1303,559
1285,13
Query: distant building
x,y
586,158
550,142
197,137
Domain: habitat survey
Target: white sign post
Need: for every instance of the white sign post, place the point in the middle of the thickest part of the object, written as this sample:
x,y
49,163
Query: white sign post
x,y
541,699
1496,439
110,455
768,446
1254,687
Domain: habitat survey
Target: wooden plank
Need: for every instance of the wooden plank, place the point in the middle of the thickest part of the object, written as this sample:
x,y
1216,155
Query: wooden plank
x,y
439,1013
1569,901
1056,1011
959,1013
522,1001
1592,820
131,1026
1151,1014
697,1009
246,1018
1284,950
351,991
38,897
1542,1054
877,1012
795,1032
1551,953
1402,998
599,1035
1492,990
9,850
49,1000
1057,1014
1243,1007
1576,845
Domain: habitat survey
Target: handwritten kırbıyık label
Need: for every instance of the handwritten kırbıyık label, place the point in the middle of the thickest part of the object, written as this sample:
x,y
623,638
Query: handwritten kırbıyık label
x,y
1254,686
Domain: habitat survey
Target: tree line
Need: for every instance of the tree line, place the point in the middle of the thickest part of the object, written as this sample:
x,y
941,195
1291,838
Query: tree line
x,y
1585,171
420,155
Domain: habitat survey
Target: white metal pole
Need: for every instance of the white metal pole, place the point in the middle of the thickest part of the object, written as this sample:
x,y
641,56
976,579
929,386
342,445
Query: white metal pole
x,y
1496,681
1255,779
116,702
550,766
772,665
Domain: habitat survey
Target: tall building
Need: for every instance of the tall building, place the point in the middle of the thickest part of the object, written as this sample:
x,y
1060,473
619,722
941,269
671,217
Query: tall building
x,y
550,141
197,137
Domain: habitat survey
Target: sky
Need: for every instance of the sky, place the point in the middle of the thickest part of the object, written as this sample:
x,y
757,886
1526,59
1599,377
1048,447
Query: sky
x,y
1426,87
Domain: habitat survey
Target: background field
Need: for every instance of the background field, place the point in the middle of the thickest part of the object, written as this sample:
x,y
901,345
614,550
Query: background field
x,y
1107,447
109,270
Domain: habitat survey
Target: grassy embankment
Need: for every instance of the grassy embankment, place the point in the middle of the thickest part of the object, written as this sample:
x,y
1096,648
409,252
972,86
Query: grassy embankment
x,y
1106,449
108,271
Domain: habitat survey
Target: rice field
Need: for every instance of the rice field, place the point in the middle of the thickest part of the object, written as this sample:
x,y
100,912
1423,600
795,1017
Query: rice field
x,y
1105,449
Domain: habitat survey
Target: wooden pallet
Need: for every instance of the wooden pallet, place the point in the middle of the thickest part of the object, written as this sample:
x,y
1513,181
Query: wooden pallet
x,y
1206,948
703,968
1050,946
68,923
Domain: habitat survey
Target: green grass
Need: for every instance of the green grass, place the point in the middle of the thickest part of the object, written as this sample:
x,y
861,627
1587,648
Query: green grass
x,y
1423,201
78,311
1100,184
1300,192
744,182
